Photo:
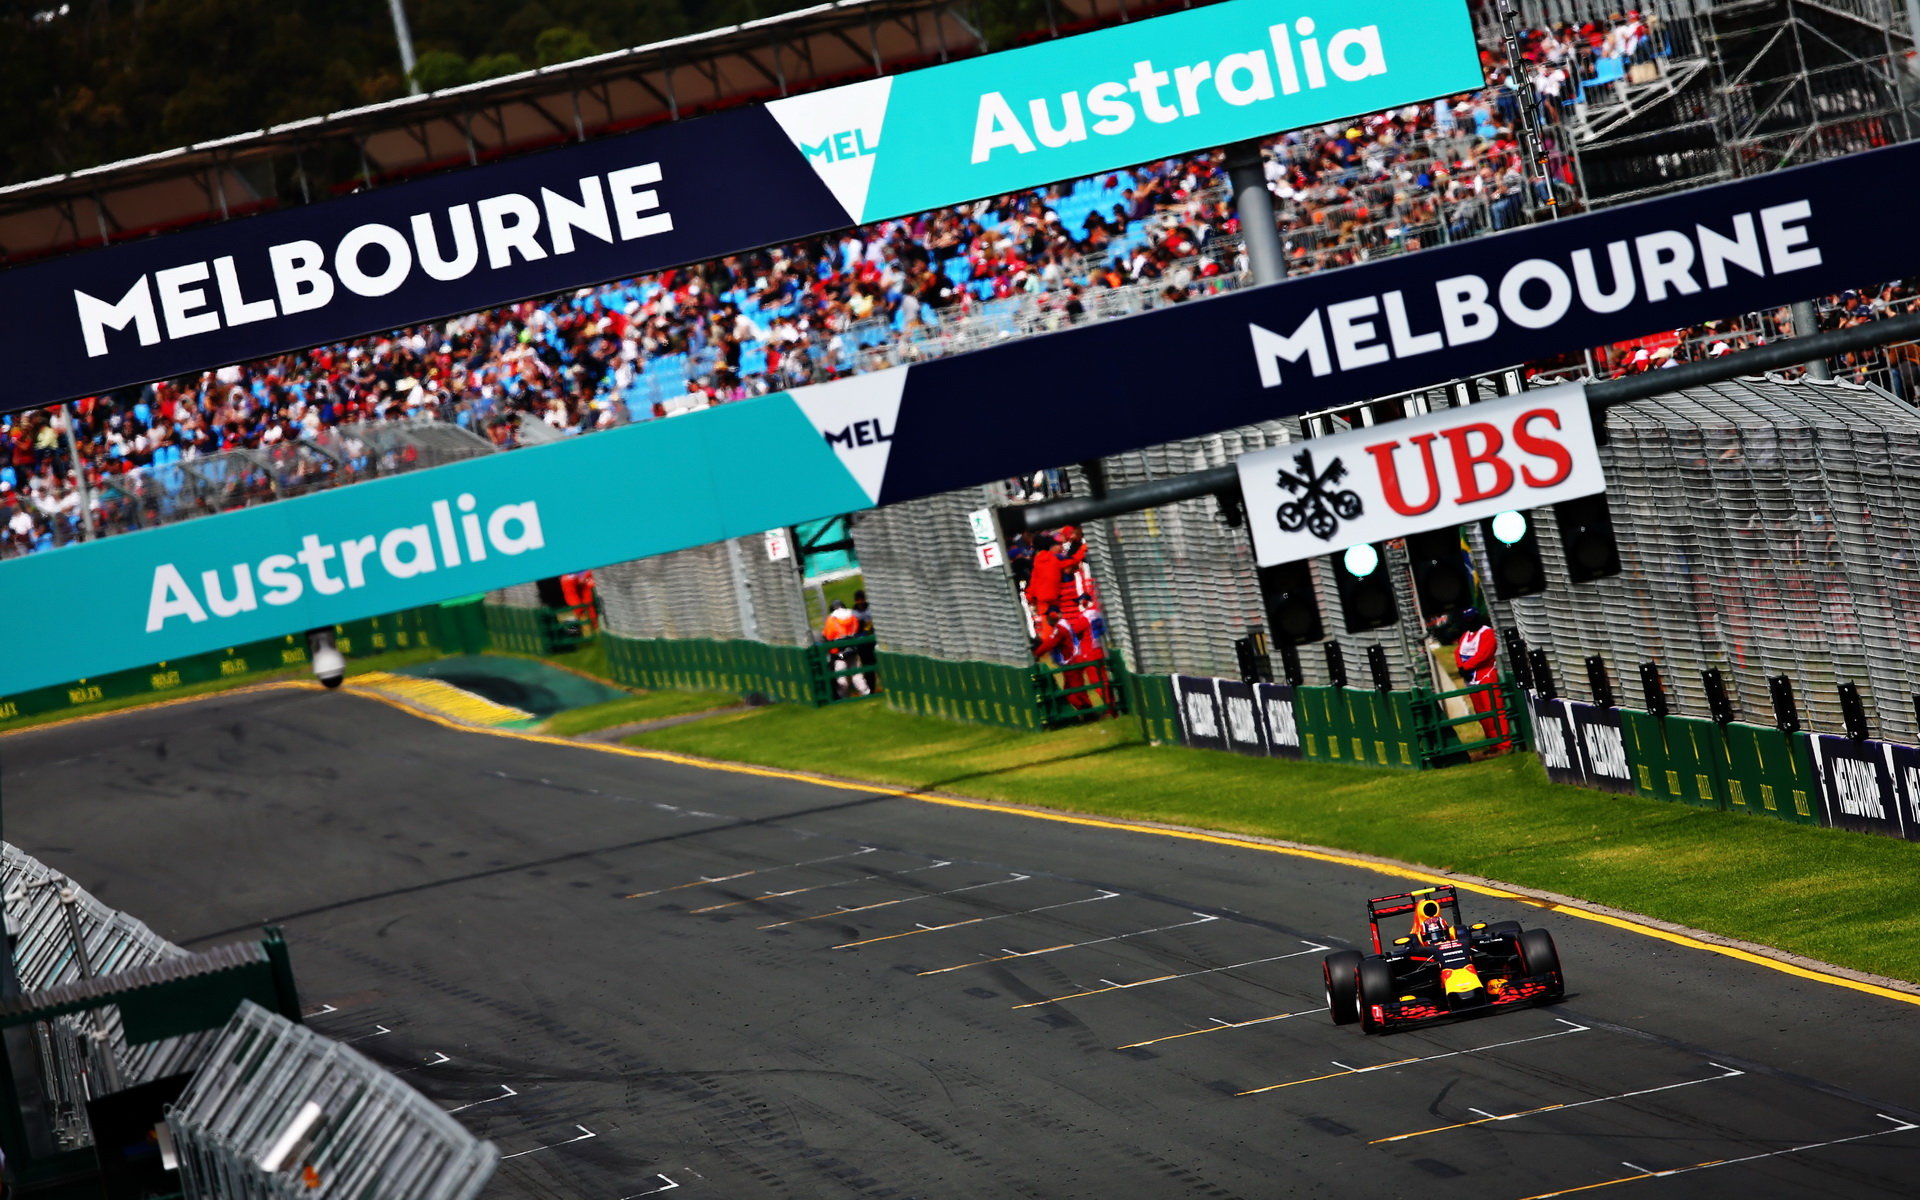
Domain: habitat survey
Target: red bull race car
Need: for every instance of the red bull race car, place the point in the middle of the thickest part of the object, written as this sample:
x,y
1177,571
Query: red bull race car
x,y
1441,967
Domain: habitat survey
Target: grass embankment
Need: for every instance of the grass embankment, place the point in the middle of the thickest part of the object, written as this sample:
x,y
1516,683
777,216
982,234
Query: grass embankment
x,y
392,661
642,706
1827,894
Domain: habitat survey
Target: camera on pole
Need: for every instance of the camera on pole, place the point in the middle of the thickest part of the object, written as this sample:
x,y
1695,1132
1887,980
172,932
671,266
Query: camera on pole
x,y
329,665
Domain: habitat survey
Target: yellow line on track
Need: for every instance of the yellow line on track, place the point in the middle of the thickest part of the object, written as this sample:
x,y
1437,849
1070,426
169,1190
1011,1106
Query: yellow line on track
x,y
1089,822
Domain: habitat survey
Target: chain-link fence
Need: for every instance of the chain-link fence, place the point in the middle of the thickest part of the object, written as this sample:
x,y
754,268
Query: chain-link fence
x,y
279,1112
929,595
63,935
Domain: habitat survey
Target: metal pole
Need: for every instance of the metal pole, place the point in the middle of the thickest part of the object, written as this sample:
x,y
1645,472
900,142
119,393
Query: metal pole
x,y
1532,132
1247,173
1805,324
80,471
404,36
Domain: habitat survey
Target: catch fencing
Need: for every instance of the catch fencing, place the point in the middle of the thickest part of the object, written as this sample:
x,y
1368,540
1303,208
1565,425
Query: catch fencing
x,y
278,1111
1765,528
63,935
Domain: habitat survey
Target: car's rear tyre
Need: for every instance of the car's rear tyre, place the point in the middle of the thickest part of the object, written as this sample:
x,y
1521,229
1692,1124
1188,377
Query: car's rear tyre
x,y
1538,956
1343,1003
1373,980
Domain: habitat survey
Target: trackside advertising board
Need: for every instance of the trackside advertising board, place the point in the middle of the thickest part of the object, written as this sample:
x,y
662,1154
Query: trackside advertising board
x,y
1426,472
702,189
1187,370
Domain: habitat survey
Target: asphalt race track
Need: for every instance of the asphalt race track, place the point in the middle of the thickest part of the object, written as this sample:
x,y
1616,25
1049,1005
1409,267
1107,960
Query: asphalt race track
x,y
639,977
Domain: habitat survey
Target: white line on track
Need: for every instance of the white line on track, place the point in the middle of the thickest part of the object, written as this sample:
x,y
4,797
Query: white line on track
x,y
1486,1117
506,1093
435,1061
1121,987
378,1031
841,912
1899,1126
888,937
667,1186
815,888
1007,954
585,1133
1345,1070
1221,1026
704,880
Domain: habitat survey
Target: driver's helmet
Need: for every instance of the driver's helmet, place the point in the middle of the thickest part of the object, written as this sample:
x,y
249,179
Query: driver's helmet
x,y
1432,927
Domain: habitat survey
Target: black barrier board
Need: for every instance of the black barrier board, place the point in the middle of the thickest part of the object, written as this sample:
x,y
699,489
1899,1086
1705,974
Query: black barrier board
x,y
1903,765
1556,741
1602,747
1280,718
1856,788
1242,723
1199,713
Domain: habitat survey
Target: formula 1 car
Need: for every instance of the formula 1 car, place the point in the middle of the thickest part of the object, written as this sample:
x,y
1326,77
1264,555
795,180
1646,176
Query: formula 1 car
x,y
1440,968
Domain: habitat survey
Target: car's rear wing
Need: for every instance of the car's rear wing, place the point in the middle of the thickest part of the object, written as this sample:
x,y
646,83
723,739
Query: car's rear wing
x,y
1396,906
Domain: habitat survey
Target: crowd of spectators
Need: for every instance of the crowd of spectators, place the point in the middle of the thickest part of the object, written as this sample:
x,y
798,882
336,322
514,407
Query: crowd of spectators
x,y
761,321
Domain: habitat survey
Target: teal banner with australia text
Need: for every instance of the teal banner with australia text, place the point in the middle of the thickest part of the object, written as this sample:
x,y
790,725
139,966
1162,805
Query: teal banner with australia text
x,y
1133,93
415,539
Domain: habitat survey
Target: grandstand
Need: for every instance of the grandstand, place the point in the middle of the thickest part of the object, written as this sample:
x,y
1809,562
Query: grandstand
x,y
1638,91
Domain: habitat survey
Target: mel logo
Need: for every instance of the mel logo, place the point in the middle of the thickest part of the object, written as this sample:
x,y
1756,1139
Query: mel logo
x,y
839,147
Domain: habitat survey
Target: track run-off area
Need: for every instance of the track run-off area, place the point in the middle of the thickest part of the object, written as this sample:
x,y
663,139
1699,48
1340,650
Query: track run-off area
x,y
639,975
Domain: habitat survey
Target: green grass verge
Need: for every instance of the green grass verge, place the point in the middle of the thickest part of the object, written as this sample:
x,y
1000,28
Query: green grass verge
x,y
1844,899
645,706
391,661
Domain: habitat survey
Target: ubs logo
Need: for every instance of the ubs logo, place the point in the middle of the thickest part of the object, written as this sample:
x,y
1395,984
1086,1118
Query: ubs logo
x,y
1315,505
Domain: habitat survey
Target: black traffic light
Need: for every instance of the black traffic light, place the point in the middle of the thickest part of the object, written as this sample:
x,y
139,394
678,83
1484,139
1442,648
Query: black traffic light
x,y
1441,577
1513,555
1366,588
1586,535
1293,610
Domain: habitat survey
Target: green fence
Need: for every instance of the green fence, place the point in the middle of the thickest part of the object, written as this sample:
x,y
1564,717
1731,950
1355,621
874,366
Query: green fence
x,y
710,665
536,630
414,629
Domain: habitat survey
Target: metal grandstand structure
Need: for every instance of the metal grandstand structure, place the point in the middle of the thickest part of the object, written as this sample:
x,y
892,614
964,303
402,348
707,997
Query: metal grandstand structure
x,y
318,157
1723,89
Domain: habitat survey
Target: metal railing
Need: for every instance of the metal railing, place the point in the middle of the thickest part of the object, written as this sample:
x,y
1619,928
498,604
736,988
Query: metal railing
x,y
279,1112
61,935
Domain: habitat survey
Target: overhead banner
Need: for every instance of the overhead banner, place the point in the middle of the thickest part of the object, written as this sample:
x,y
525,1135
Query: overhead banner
x,y
696,190
740,469
1132,93
1428,472
415,539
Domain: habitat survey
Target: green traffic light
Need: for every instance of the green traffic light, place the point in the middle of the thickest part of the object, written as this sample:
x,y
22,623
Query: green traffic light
x,y
1361,561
